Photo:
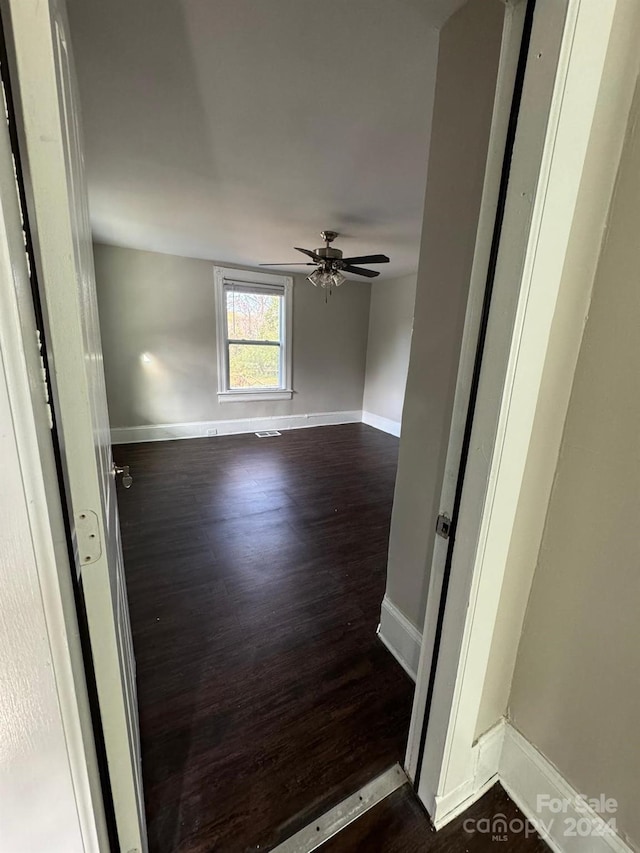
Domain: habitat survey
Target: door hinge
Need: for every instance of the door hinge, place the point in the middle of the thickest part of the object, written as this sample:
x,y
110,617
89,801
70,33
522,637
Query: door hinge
x,y
443,526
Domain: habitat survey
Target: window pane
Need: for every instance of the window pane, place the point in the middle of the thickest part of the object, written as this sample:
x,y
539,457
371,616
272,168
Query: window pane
x,y
254,366
253,316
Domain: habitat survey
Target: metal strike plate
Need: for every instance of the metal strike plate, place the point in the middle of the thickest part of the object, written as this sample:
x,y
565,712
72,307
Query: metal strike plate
x,y
443,526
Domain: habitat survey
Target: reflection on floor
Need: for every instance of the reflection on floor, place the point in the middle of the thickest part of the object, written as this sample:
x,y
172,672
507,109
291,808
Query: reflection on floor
x,y
399,825
256,570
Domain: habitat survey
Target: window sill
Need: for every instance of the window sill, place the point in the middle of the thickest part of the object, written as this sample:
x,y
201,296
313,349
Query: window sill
x,y
253,396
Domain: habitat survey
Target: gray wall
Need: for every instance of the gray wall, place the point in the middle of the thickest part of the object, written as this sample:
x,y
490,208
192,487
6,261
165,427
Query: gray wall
x,y
389,345
465,86
165,305
576,686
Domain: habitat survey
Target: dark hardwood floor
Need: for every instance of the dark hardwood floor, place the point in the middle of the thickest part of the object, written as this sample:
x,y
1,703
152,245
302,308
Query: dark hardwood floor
x,y
256,570
399,825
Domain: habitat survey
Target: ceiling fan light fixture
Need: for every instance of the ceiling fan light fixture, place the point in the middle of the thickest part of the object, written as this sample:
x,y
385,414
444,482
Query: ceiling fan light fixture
x,y
326,278
317,278
330,262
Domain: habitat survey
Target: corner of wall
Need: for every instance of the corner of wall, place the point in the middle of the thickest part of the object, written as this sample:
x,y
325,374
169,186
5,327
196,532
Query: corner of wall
x,y
559,813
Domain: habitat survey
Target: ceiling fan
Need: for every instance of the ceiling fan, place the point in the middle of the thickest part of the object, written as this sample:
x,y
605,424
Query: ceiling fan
x,y
330,265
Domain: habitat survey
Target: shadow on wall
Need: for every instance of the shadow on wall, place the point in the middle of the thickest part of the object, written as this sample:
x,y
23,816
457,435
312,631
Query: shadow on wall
x,y
388,348
152,150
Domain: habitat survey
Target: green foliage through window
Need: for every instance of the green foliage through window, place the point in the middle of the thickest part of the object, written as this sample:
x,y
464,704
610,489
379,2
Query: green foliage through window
x,y
253,329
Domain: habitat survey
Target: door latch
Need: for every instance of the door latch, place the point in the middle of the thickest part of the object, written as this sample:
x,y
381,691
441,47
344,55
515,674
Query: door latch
x,y
443,526
127,479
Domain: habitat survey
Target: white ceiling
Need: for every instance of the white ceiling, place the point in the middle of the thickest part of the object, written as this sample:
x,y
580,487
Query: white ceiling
x,y
236,129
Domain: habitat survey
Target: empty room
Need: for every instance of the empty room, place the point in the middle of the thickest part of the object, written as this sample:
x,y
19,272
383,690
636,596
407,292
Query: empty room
x,y
257,196
292,288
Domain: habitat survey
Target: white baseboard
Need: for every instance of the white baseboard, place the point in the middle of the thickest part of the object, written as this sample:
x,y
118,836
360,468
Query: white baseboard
x,y
200,429
558,812
528,777
485,762
400,636
385,424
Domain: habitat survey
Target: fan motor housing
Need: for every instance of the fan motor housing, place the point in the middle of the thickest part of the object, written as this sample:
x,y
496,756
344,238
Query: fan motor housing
x,y
329,254
332,257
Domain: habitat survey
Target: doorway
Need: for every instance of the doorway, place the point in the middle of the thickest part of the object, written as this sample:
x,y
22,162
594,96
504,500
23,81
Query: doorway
x,y
364,462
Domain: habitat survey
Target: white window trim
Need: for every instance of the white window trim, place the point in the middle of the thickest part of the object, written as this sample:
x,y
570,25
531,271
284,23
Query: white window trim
x,y
225,394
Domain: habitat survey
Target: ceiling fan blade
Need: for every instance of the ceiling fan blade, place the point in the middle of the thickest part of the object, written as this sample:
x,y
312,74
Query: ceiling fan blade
x,y
309,253
290,264
367,259
361,271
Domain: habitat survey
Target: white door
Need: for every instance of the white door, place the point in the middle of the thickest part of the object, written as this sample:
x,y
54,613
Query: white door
x,y
44,92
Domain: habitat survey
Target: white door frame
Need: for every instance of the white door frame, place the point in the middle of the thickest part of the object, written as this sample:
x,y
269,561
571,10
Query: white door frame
x,y
40,64
69,715
451,778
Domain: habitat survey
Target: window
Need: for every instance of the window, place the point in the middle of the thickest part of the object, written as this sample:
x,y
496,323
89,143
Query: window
x,y
254,335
